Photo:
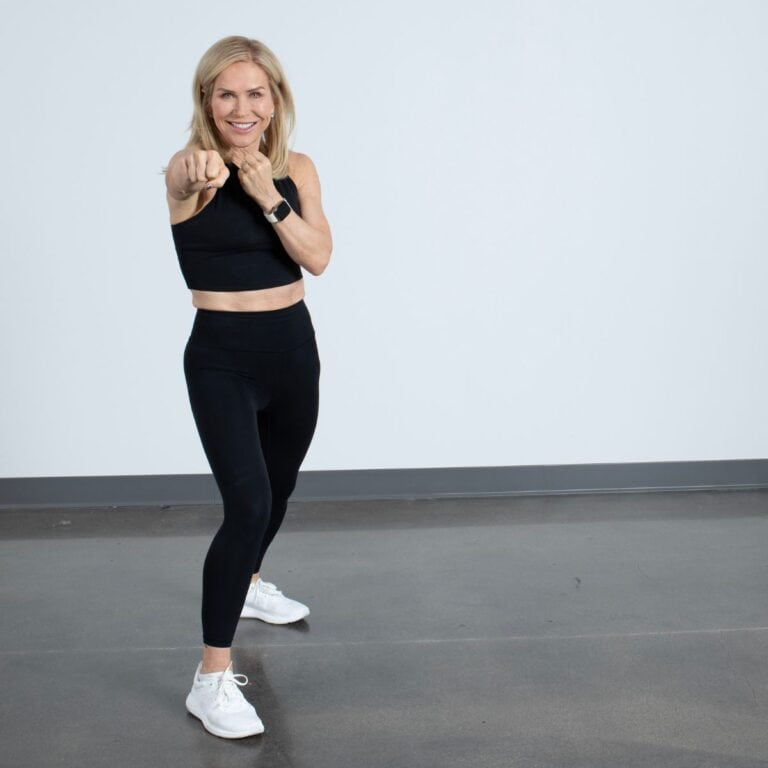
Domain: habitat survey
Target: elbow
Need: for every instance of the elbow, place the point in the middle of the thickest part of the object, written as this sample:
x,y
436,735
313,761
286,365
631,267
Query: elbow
x,y
319,265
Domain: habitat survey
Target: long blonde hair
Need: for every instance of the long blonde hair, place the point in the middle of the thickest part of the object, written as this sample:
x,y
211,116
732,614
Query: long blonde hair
x,y
215,60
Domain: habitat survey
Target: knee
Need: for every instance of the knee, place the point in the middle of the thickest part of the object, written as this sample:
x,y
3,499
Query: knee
x,y
282,488
248,520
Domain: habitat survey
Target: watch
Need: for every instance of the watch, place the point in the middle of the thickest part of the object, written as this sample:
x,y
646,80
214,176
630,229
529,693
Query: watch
x,y
279,212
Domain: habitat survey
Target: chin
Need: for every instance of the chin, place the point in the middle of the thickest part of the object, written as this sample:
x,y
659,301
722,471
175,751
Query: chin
x,y
244,141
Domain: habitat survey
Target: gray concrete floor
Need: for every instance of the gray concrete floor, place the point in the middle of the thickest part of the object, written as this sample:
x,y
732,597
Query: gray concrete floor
x,y
576,631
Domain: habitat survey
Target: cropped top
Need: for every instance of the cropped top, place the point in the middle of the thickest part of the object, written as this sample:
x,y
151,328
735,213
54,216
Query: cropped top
x,y
230,246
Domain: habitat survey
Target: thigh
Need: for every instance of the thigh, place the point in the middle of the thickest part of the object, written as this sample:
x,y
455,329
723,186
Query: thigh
x,y
288,423
225,406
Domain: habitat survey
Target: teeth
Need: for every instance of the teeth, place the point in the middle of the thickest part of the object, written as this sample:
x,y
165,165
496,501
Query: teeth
x,y
243,125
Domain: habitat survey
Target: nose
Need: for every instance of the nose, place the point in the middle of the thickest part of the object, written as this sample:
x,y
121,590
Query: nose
x,y
241,107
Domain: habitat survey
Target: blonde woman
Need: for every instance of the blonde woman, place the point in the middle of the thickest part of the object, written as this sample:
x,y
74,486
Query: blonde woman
x,y
246,217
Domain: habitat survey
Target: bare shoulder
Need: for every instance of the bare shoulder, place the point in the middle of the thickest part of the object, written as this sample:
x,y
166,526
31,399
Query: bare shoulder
x,y
302,170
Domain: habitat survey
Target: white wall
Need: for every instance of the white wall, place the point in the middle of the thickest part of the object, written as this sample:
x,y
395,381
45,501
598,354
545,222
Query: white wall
x,y
549,222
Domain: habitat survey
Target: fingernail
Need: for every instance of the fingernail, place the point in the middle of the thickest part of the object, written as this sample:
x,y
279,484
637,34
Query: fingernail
x,y
208,186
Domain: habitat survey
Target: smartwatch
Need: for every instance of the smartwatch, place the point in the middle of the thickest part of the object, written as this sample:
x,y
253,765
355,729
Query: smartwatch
x,y
279,212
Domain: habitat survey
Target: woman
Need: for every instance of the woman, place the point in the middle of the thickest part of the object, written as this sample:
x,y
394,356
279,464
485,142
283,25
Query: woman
x,y
245,216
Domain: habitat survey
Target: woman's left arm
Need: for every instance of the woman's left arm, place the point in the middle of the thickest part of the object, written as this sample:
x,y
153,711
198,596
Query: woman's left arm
x,y
306,238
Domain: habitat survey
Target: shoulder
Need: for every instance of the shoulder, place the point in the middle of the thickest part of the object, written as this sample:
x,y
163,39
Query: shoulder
x,y
302,170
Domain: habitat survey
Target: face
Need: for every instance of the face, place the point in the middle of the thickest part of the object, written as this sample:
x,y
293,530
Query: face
x,y
241,104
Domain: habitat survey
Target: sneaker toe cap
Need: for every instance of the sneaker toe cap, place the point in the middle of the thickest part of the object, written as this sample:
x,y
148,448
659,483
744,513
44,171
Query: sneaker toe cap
x,y
243,721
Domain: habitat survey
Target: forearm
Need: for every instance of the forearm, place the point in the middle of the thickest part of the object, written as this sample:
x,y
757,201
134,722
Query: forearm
x,y
309,247
306,237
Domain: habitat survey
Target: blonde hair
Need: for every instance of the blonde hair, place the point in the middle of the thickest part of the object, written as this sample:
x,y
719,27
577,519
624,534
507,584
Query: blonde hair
x,y
215,60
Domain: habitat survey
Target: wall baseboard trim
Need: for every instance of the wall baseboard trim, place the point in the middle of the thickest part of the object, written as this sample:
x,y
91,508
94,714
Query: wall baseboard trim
x,y
423,483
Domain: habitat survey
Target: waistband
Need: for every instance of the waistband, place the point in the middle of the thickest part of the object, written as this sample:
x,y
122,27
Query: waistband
x,y
271,330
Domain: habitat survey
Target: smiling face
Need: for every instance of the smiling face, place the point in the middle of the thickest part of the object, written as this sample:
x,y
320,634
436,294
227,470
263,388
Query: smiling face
x,y
241,105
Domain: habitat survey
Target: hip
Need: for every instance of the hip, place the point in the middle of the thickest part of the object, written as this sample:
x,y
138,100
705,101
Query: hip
x,y
271,330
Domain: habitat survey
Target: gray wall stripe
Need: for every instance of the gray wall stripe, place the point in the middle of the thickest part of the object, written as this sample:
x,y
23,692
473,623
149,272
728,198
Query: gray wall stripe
x,y
153,490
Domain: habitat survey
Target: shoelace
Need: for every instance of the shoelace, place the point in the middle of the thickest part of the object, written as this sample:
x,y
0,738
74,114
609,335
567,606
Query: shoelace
x,y
269,588
227,693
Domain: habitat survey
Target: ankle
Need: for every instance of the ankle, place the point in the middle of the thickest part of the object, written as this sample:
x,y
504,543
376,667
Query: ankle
x,y
217,668
215,659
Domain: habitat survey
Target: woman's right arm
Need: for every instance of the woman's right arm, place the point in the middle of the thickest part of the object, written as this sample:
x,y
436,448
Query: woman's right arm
x,y
190,172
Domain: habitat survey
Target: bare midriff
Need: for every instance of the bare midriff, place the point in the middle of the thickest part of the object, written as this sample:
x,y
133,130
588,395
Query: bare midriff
x,y
250,301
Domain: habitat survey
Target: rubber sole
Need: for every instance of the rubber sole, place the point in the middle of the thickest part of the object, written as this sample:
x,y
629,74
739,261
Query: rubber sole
x,y
254,613
218,731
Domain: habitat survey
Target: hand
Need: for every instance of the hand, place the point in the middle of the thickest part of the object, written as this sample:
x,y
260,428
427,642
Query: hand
x,y
255,176
198,169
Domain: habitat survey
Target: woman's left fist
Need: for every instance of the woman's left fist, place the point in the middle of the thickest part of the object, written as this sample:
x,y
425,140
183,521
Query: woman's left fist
x,y
255,176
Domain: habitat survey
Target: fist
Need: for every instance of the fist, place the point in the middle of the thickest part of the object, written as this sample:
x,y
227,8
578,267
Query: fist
x,y
198,169
255,176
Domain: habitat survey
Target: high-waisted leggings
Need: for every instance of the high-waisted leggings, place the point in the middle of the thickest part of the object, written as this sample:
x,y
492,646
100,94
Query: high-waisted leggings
x,y
253,384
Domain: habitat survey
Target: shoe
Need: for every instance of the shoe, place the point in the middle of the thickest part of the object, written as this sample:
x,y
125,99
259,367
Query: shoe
x,y
266,602
216,699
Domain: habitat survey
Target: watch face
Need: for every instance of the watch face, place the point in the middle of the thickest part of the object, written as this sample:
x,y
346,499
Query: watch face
x,y
282,210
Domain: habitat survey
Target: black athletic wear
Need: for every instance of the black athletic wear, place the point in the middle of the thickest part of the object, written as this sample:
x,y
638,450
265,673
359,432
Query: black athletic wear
x,y
230,246
253,385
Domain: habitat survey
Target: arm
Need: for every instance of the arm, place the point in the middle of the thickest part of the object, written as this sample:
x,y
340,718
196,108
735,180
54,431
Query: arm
x,y
191,179
306,238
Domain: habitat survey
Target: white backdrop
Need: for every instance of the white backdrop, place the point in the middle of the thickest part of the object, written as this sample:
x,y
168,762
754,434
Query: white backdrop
x,y
549,222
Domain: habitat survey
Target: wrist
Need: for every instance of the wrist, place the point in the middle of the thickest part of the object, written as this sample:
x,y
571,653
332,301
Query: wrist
x,y
272,203
279,212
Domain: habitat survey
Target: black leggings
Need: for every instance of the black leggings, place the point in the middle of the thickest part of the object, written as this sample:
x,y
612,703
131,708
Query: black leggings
x,y
253,384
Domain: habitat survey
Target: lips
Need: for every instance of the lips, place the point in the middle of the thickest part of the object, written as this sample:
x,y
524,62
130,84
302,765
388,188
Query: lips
x,y
242,127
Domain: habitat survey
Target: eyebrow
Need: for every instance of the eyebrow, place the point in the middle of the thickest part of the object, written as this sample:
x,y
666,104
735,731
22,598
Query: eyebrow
x,y
229,90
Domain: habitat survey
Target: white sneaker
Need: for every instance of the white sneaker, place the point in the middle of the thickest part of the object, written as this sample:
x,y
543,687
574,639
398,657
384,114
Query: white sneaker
x,y
216,699
266,602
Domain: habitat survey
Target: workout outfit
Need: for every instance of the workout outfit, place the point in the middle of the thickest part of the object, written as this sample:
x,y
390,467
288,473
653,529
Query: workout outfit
x,y
253,385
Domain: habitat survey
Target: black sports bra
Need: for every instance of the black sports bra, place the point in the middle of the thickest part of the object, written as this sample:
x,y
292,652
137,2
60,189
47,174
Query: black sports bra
x,y
230,246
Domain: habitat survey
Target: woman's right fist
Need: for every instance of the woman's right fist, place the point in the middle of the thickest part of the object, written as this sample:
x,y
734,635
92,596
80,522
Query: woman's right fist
x,y
196,169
